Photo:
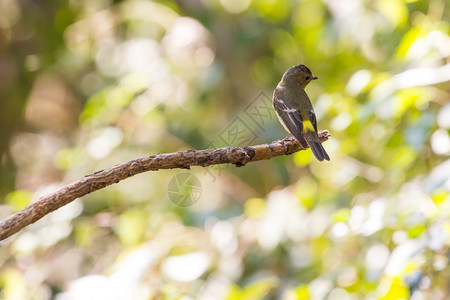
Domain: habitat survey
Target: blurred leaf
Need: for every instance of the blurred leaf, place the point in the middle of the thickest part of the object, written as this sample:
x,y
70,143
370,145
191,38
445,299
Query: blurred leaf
x,y
416,231
18,199
253,291
394,10
306,191
84,233
254,207
397,290
341,215
67,158
302,158
440,196
12,284
302,293
131,226
272,10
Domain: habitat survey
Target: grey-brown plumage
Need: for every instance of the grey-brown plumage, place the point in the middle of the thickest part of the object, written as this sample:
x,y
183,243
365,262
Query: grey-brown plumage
x,y
295,111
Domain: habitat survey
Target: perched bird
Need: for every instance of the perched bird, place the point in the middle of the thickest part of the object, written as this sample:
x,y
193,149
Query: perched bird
x,y
295,111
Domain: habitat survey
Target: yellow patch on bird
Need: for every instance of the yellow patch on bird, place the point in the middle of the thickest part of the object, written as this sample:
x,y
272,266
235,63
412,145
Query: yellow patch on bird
x,y
307,126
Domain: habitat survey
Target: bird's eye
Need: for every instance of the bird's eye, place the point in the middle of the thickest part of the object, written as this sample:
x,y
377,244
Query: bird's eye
x,y
307,77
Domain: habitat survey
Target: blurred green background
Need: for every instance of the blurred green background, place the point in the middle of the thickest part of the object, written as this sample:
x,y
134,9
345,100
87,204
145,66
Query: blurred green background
x,y
85,85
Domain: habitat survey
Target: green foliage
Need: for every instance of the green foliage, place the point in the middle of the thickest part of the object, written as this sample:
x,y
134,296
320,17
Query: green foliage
x,y
106,82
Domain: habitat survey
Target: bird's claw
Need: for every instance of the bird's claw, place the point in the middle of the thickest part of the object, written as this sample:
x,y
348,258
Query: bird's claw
x,y
286,149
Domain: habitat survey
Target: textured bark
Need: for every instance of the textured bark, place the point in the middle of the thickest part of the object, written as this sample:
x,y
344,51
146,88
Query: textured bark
x,y
184,160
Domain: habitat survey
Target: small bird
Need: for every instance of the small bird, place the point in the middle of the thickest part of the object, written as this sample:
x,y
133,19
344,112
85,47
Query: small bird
x,y
295,111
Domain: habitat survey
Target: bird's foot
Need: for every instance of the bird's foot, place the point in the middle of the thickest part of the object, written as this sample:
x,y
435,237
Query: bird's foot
x,y
282,142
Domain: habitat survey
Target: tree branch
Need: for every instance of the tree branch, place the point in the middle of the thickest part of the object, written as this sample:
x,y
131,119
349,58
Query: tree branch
x,y
184,159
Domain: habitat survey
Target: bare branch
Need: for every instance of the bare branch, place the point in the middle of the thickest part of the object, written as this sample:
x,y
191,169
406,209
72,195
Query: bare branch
x,y
184,159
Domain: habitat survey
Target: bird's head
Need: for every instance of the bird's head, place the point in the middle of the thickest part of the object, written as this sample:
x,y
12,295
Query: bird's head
x,y
299,75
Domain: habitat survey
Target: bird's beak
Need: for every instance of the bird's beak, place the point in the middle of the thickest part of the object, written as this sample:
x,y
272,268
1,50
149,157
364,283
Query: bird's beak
x,y
314,78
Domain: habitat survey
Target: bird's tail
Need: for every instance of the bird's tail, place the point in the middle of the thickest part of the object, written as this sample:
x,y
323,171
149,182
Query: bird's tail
x,y
315,145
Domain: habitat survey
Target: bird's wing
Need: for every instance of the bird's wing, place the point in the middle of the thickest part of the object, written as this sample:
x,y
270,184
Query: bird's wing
x,y
291,118
312,118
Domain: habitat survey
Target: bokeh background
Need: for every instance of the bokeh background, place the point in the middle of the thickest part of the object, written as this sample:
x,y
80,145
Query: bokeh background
x,y
85,85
